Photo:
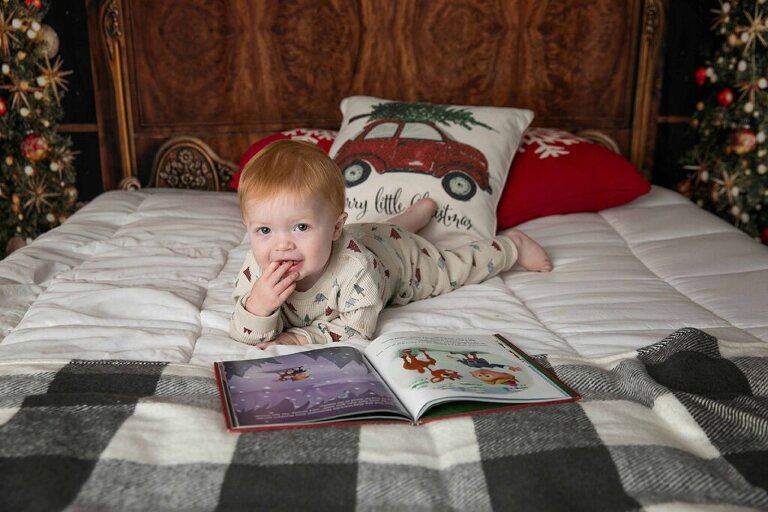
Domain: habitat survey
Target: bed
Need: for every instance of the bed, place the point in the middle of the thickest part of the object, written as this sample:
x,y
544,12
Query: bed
x,y
109,324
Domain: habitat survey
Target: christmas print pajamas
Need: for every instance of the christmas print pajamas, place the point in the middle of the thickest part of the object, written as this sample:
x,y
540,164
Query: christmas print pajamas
x,y
371,265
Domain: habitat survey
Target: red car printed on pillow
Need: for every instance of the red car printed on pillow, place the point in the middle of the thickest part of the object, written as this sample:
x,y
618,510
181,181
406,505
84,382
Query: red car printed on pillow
x,y
394,145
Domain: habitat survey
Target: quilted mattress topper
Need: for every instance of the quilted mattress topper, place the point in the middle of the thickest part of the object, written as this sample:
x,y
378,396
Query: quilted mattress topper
x,y
147,275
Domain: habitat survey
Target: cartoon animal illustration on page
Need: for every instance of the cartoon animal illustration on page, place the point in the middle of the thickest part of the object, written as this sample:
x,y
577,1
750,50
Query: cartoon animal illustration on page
x,y
495,377
294,374
472,360
412,362
440,374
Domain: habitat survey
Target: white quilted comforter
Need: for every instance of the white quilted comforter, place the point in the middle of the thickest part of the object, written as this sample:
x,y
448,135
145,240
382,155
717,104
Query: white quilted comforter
x,y
147,275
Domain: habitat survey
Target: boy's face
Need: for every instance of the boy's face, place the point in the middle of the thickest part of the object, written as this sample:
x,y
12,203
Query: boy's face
x,y
284,228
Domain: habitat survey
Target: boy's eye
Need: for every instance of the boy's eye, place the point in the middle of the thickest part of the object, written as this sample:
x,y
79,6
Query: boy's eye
x,y
263,230
302,227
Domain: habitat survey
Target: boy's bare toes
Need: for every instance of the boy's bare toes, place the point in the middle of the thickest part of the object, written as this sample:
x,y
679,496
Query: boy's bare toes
x,y
530,255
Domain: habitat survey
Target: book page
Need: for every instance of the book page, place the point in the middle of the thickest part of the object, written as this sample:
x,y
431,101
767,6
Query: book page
x,y
426,369
305,387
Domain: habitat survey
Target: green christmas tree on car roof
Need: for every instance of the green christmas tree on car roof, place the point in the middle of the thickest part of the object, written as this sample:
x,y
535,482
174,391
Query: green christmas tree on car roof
x,y
37,177
421,112
727,163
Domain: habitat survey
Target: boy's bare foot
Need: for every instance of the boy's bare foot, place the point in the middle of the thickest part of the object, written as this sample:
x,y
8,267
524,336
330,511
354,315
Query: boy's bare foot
x,y
416,216
530,254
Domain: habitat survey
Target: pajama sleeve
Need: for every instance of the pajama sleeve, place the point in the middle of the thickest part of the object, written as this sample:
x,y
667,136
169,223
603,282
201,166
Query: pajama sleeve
x,y
244,326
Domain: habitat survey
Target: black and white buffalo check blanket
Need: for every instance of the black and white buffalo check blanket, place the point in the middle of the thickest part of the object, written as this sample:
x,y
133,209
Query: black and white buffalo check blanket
x,y
677,425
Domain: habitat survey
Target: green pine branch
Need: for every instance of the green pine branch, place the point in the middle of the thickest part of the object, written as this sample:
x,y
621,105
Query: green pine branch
x,y
421,112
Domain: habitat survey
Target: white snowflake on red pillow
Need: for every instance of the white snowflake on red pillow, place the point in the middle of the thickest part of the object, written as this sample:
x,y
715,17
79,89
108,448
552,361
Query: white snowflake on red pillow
x,y
551,143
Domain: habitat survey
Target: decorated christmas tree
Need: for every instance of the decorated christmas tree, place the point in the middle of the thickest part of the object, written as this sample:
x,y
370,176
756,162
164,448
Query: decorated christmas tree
x,y
727,163
37,190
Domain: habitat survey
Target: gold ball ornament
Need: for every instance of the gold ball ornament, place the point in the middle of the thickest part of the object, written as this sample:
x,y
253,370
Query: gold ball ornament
x,y
34,147
50,40
70,195
15,204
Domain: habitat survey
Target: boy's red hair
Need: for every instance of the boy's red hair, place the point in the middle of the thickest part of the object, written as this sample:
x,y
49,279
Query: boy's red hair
x,y
293,166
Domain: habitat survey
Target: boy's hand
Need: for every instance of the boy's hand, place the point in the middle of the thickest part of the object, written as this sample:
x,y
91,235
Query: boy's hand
x,y
284,338
271,289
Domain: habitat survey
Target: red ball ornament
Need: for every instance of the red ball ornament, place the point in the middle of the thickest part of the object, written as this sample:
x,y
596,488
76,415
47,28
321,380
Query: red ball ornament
x,y
743,141
701,76
34,147
725,97
37,4
3,107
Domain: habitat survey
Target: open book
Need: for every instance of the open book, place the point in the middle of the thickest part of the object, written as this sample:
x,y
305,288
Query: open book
x,y
400,376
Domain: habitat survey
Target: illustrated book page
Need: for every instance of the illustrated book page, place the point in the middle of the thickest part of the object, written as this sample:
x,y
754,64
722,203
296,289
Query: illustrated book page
x,y
331,384
425,370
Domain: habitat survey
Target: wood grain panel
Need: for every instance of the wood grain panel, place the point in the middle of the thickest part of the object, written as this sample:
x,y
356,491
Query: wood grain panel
x,y
230,71
577,60
461,51
240,63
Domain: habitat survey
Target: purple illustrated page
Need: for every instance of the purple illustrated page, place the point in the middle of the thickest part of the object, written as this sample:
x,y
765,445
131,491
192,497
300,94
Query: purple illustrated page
x,y
313,386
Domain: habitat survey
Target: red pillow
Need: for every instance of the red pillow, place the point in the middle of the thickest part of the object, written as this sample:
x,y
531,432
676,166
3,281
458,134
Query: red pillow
x,y
556,172
323,138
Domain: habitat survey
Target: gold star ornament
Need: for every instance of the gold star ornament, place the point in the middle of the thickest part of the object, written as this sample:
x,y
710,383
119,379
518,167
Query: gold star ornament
x,y
52,76
6,34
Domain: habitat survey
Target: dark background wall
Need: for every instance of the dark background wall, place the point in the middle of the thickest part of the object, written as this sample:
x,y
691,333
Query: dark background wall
x,y
688,43
689,40
69,21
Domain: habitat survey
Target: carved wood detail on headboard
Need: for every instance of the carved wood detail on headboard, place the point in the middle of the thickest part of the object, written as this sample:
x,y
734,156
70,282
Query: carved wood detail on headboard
x,y
188,162
231,71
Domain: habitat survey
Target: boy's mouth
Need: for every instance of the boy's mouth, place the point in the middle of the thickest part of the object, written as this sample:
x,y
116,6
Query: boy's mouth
x,y
293,265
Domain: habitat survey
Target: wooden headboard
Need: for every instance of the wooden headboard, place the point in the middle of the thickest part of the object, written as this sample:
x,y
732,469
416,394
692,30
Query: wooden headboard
x,y
229,72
